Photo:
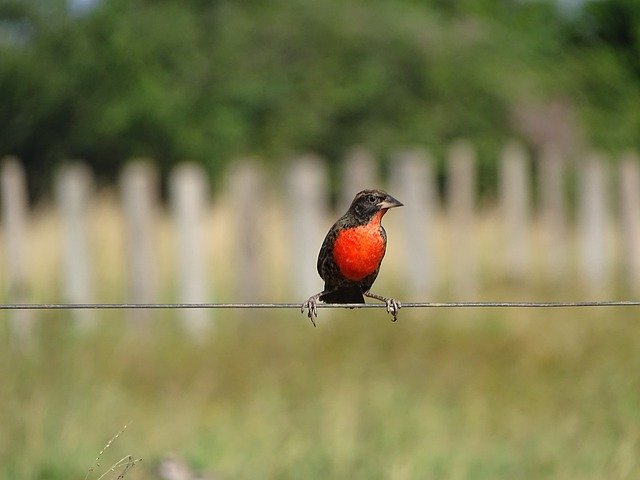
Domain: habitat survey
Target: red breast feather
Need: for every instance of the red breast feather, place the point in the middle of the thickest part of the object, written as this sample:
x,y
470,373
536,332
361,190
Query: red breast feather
x,y
358,251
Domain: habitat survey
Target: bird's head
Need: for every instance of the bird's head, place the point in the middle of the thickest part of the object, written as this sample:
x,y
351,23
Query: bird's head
x,y
368,203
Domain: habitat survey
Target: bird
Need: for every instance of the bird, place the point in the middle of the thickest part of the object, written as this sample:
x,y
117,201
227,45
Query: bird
x,y
351,254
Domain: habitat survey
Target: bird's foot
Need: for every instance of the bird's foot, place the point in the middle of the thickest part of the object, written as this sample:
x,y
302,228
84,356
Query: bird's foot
x,y
311,306
393,307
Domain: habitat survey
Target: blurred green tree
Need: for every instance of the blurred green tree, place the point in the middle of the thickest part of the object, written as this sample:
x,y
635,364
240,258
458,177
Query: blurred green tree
x,y
209,81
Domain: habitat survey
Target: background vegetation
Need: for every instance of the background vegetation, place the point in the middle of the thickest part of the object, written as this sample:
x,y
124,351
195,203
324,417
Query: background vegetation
x,y
478,394
441,394
209,81
488,395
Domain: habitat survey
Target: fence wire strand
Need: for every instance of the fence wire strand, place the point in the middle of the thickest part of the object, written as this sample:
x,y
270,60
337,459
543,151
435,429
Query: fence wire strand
x,y
178,306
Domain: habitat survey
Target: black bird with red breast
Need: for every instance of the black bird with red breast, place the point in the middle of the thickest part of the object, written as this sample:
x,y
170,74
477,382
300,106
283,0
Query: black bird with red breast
x,y
351,254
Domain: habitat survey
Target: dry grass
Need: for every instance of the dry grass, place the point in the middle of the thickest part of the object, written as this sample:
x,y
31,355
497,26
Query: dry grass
x,y
119,469
439,394
528,395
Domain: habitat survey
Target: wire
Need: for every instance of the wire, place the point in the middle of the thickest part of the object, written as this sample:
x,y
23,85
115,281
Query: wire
x,y
178,306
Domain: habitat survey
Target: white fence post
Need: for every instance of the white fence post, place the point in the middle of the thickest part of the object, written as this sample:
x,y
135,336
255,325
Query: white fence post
x,y
414,184
14,215
139,184
553,215
247,191
461,197
593,225
515,209
73,192
359,172
629,181
307,200
306,186
188,189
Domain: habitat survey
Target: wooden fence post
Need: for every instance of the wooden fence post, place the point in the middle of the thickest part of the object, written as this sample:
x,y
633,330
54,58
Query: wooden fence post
x,y
188,189
247,191
73,190
553,215
139,185
515,207
414,182
629,181
359,172
14,214
593,224
307,187
461,197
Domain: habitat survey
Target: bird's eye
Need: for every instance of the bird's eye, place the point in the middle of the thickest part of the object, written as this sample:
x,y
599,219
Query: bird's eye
x,y
372,199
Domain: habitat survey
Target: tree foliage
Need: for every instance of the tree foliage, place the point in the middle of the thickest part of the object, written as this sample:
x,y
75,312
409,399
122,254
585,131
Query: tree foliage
x,y
210,81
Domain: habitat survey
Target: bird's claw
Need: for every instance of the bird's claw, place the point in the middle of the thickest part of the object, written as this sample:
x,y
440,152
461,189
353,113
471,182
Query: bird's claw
x,y
311,306
393,307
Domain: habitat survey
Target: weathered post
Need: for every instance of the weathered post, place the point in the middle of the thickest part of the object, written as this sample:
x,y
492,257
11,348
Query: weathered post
x,y
14,215
593,220
308,203
629,181
188,190
414,182
516,216
360,171
246,190
461,193
553,215
73,191
139,186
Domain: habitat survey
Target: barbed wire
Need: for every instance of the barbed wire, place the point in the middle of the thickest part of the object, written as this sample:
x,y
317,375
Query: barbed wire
x,y
178,306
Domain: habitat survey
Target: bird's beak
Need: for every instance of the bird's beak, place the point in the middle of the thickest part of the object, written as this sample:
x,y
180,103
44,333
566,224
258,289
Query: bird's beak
x,y
390,202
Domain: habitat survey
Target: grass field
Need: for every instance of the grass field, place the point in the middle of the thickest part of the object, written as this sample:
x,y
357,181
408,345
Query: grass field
x,y
441,394
479,395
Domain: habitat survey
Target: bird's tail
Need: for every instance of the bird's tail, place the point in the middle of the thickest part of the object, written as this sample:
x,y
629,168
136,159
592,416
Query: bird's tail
x,y
344,295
